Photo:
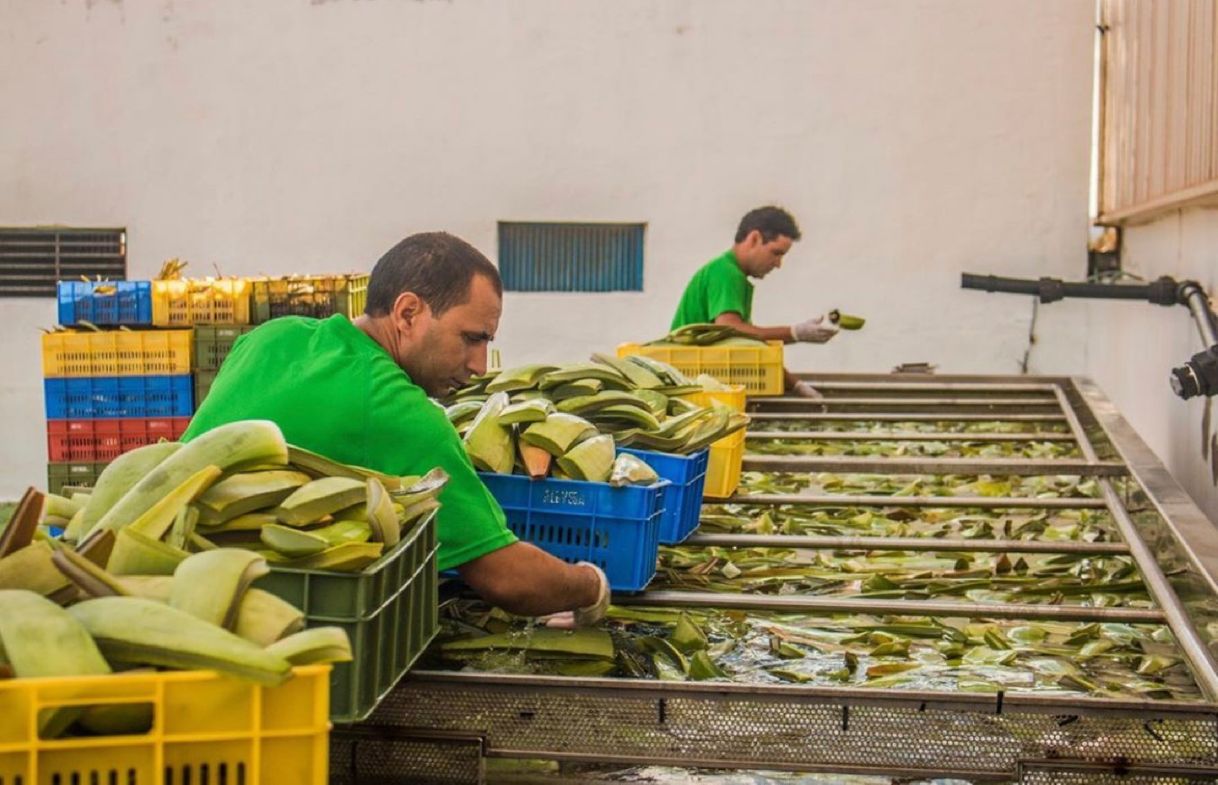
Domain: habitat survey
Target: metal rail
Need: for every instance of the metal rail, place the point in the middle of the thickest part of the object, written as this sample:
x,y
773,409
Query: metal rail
x,y
980,502
785,603
906,436
913,417
832,383
761,403
1201,663
850,464
937,544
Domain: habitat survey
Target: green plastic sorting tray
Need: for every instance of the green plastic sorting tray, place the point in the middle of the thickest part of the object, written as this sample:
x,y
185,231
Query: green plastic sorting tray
x,y
389,610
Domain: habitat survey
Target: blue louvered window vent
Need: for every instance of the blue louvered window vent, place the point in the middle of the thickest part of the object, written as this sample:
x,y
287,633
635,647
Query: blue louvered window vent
x,y
571,257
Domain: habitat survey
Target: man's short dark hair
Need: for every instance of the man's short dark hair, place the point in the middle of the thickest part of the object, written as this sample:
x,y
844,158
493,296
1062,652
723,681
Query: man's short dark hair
x,y
436,266
771,221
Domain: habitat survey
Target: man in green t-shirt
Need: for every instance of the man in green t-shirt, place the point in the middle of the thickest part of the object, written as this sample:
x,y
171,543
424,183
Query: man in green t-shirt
x,y
721,293
358,391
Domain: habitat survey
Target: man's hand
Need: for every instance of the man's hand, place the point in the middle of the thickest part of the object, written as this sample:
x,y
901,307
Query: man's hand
x,y
818,329
805,389
589,614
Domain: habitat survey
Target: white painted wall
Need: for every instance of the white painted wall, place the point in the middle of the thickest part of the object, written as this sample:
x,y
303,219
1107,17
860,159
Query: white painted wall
x,y
913,139
1133,346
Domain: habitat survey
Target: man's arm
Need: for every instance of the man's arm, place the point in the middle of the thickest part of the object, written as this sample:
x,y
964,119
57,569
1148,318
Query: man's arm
x,y
731,318
525,580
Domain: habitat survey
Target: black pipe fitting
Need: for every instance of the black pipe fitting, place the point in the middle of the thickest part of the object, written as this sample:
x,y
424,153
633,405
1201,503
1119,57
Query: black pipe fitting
x,y
1198,376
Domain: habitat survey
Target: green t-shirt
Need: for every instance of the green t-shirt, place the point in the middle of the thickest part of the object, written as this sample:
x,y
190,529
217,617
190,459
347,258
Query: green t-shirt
x,y
335,391
719,287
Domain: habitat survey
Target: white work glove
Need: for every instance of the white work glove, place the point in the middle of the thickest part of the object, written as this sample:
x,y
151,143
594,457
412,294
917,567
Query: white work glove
x,y
587,615
806,390
818,329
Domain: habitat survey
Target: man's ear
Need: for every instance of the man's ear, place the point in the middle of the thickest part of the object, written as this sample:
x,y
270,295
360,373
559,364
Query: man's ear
x,y
408,308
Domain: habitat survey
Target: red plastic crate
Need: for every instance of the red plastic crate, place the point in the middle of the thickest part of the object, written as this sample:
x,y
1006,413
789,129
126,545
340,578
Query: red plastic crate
x,y
80,441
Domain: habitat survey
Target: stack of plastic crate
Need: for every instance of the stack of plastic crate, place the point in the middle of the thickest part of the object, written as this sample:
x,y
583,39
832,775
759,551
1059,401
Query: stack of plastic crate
x,y
111,381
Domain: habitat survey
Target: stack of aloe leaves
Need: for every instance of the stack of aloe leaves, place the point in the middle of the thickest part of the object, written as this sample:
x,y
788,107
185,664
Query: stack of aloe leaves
x,y
867,428
238,486
63,613
846,520
1099,660
1097,581
897,448
567,421
1058,486
706,335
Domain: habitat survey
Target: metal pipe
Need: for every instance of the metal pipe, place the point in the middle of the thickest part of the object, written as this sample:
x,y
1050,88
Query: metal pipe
x,y
1159,292
980,502
915,417
787,603
1193,296
906,436
849,464
935,544
1202,665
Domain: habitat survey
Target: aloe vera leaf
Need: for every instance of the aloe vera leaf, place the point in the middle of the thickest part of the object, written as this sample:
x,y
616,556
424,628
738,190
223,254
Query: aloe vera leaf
x,y
19,531
211,584
263,618
157,519
702,667
534,410
591,460
314,645
315,500
291,542
382,517
119,476
136,630
318,466
687,636
488,442
88,577
247,492
32,568
558,433
583,643
347,557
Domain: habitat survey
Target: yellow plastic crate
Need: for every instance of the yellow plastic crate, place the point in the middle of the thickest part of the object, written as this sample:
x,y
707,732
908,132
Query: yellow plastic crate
x,y
117,353
734,398
206,728
191,301
757,368
723,469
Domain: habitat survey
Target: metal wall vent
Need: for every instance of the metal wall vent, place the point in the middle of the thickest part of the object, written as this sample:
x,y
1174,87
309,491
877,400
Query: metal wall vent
x,y
32,259
571,257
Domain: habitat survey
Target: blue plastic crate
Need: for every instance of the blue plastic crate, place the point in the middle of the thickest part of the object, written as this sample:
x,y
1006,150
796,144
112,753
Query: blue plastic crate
x,y
129,303
683,505
617,529
97,397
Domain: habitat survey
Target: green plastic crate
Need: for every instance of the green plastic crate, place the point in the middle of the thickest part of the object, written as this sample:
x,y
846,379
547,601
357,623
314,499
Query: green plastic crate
x,y
213,343
389,610
203,382
80,474
319,296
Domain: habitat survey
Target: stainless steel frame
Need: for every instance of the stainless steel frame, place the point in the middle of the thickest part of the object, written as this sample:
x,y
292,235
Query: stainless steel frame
x,y
1025,737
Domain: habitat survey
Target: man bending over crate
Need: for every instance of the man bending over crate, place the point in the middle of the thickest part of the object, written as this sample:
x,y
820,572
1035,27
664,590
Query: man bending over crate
x,y
357,391
720,292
